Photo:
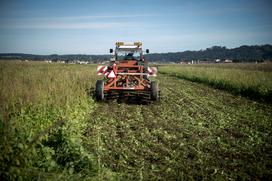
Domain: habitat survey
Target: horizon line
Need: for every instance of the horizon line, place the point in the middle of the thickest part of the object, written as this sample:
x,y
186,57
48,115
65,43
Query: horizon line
x,y
270,44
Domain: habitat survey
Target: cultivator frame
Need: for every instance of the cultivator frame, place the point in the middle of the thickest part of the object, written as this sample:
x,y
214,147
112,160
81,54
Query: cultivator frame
x,y
127,78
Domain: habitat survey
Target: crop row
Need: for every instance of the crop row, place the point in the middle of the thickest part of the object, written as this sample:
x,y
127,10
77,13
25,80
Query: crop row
x,y
249,80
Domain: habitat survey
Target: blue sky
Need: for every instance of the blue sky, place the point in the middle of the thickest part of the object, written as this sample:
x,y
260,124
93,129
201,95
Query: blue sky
x,y
93,26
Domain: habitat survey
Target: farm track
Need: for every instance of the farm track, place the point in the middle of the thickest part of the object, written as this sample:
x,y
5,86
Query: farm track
x,y
193,132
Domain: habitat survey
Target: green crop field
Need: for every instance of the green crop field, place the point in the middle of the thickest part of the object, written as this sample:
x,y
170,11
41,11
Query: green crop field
x,y
213,122
251,80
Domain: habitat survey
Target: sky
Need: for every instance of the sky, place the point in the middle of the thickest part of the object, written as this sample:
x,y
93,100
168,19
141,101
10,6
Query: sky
x,y
93,26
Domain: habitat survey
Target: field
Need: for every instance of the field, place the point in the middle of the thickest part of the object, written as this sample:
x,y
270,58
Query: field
x,y
250,80
213,122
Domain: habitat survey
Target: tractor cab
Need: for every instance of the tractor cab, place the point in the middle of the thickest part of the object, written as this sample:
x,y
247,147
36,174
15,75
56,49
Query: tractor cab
x,y
129,51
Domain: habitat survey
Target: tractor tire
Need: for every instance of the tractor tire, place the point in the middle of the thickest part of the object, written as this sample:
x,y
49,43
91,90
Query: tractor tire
x,y
99,89
154,91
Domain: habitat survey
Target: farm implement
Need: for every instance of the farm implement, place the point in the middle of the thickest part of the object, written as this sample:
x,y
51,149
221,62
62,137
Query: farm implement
x,y
127,75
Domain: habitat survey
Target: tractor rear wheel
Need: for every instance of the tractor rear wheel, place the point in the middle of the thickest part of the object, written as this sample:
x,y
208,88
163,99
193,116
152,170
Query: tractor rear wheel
x,y
99,89
154,91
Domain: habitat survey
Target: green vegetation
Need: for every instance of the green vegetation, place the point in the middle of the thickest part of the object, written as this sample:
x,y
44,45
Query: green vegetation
x,y
51,128
250,80
44,109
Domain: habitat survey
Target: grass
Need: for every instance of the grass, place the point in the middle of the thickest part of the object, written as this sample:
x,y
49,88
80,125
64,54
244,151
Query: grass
x,y
43,115
51,128
249,80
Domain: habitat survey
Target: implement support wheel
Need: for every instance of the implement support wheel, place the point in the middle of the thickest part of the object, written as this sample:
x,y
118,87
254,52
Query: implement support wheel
x,y
99,89
154,91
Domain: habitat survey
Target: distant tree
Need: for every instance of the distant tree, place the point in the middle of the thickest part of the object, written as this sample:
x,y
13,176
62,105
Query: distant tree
x,y
241,54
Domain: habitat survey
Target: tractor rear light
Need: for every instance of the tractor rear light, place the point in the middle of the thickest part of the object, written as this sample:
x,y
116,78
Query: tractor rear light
x,y
152,71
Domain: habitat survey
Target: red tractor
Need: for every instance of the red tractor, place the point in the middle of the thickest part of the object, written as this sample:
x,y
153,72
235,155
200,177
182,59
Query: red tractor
x,y
127,75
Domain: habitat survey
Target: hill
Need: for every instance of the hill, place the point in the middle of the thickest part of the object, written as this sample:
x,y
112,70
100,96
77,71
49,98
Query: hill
x,y
243,53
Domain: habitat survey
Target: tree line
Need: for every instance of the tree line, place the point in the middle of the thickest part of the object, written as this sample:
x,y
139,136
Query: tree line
x,y
243,53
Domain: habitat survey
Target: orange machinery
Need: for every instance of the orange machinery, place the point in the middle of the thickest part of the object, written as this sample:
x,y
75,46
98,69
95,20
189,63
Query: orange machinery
x,y
127,74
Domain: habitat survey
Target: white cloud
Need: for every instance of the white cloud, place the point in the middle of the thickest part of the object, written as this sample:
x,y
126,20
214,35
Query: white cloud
x,y
81,18
68,25
74,22
107,16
